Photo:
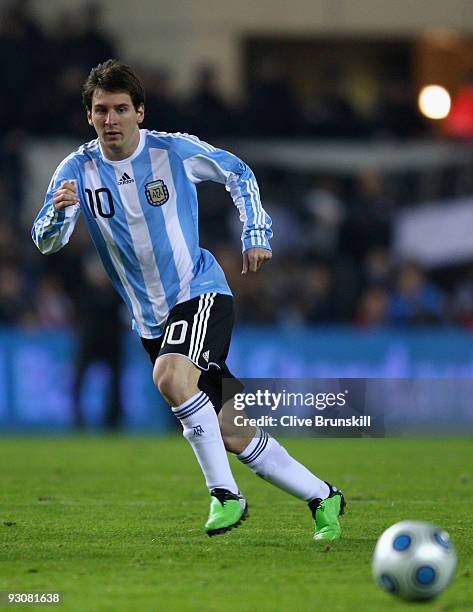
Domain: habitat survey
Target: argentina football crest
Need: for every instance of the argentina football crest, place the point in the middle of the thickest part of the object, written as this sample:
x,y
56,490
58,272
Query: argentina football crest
x,y
157,193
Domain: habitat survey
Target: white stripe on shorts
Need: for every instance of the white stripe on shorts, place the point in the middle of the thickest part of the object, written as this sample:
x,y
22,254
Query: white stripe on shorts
x,y
199,326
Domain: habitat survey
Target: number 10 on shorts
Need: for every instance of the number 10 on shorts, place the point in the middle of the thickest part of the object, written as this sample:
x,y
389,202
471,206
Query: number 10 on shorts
x,y
176,333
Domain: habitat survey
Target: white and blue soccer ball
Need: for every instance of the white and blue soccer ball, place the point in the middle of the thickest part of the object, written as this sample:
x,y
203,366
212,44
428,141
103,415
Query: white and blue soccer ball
x,y
414,560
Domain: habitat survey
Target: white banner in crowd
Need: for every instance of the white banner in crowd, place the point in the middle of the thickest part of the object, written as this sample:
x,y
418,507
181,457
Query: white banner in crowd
x,y
436,234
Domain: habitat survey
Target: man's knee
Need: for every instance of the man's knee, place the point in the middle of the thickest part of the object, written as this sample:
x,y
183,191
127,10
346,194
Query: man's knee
x,y
176,378
166,380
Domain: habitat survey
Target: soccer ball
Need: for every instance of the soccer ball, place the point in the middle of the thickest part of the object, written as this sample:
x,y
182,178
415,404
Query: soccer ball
x,y
414,560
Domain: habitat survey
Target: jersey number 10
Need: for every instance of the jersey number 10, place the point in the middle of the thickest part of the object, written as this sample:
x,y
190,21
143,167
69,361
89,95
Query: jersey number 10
x,y
101,202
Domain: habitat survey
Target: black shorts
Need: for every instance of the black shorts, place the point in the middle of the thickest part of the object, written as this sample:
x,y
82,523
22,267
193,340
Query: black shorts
x,y
201,330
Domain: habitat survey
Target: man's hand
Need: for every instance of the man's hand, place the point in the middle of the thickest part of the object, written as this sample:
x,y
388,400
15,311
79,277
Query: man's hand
x,y
253,259
66,195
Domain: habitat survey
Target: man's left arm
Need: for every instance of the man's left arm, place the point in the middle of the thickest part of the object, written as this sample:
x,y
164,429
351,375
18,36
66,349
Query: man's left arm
x,y
223,167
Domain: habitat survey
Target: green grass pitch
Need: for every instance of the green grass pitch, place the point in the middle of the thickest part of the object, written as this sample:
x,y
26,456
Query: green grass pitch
x,y
116,523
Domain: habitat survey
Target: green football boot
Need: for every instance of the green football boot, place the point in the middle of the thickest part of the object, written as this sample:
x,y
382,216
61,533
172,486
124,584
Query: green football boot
x,y
227,511
326,513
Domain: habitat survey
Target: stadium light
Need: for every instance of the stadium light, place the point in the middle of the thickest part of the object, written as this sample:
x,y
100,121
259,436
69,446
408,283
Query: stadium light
x,y
434,102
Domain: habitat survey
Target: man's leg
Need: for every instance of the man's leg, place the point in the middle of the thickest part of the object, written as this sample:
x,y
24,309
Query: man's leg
x,y
176,378
263,454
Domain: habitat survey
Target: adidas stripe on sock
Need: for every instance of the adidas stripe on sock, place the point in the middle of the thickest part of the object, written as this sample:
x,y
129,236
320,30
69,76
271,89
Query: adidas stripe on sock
x,y
201,429
268,459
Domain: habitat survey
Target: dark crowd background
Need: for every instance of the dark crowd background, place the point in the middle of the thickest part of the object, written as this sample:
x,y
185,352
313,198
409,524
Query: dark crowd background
x,y
333,261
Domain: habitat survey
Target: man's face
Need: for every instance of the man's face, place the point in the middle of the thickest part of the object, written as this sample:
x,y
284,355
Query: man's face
x,y
116,122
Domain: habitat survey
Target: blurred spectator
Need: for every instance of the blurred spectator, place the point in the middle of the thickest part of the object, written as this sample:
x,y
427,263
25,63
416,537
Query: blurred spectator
x,y
346,287
228,256
272,109
73,115
371,215
63,38
21,46
287,283
218,219
68,264
63,115
53,307
93,44
11,168
14,301
312,298
416,300
326,215
208,112
373,309
254,303
319,294
163,110
10,249
377,267
99,328
462,306
330,114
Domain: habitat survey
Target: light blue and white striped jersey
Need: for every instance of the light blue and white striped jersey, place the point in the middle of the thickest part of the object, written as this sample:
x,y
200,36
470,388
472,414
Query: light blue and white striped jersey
x,y
142,214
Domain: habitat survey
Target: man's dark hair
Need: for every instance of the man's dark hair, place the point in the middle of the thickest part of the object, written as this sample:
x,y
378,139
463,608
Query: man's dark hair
x,y
113,76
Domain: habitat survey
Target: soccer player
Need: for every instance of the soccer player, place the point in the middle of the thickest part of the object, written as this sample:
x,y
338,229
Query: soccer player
x,y
136,189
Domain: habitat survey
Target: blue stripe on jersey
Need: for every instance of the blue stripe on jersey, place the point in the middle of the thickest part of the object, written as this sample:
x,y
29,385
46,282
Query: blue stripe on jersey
x,y
209,276
123,240
101,247
160,240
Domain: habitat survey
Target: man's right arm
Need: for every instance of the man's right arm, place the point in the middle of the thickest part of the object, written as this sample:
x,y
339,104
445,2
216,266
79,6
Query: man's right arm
x,y
56,220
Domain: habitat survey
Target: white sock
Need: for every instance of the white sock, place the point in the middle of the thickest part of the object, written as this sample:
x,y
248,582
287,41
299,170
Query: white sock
x,y
268,459
201,429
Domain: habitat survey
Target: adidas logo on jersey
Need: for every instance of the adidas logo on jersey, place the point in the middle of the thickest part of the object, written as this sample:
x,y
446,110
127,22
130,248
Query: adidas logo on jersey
x,y
206,356
125,179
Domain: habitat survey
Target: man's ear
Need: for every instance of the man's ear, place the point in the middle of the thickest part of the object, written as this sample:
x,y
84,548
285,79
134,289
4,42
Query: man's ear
x,y
141,113
89,117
